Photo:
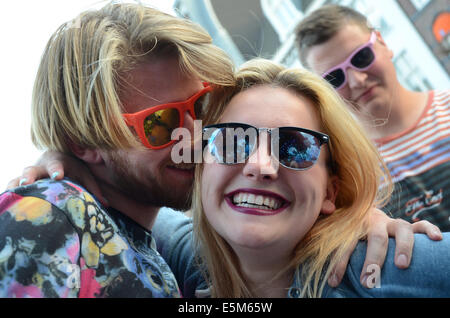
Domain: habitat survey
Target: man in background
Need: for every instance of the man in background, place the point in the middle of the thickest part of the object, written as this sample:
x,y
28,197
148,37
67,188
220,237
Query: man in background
x,y
411,129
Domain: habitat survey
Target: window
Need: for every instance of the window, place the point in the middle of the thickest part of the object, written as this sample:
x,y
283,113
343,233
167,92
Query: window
x,y
420,4
282,14
409,73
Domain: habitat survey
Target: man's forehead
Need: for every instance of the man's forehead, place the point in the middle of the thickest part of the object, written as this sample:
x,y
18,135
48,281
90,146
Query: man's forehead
x,y
336,49
156,82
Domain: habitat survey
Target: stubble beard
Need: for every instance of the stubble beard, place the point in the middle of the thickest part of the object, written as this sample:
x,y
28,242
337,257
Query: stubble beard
x,y
146,188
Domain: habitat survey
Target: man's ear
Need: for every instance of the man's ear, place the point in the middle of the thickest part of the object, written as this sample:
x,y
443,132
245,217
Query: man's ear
x,y
88,155
328,205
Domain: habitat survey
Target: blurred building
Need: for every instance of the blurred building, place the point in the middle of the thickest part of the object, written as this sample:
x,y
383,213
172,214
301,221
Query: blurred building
x,y
432,21
416,30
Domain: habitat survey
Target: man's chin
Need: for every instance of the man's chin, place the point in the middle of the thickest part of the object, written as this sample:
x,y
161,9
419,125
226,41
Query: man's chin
x,y
178,196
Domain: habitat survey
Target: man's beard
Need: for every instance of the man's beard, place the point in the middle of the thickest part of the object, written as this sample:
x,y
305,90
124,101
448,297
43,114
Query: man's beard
x,y
145,188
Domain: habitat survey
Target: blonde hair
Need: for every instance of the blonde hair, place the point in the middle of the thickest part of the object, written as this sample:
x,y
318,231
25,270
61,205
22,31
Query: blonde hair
x,y
358,167
76,92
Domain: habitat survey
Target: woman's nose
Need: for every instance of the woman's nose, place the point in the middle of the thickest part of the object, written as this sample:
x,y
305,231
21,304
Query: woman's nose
x,y
261,165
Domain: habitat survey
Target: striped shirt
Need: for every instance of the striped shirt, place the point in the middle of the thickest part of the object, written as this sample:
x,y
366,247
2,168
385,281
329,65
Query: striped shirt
x,y
419,162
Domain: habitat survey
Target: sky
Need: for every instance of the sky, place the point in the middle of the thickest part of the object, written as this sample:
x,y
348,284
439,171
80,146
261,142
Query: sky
x,y
25,27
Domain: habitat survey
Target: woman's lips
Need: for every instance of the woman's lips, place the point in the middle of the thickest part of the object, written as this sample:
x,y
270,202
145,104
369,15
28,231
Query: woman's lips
x,y
256,202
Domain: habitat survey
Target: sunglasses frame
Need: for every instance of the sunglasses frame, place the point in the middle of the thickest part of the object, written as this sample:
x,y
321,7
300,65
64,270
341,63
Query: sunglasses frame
x,y
321,137
136,120
347,63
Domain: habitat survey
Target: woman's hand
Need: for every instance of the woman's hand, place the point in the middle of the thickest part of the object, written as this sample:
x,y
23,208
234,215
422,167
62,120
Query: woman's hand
x,y
54,165
381,227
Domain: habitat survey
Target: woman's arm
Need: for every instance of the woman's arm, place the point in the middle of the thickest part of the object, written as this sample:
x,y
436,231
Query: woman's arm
x,y
381,227
428,274
173,234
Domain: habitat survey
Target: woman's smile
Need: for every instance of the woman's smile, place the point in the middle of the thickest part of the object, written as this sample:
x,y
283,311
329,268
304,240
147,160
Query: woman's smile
x,y
256,201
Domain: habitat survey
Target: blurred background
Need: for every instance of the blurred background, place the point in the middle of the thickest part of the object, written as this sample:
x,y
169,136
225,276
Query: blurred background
x,y
418,31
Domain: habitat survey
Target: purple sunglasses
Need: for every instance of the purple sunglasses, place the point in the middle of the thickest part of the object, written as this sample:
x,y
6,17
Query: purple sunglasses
x,y
361,59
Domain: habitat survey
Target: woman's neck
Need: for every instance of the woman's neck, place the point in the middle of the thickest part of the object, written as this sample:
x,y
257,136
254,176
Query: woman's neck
x,y
265,272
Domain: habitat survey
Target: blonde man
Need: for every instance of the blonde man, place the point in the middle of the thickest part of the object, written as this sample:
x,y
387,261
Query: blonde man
x,y
410,128
101,94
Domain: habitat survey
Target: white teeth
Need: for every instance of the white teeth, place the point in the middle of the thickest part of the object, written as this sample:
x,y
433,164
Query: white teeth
x,y
259,200
250,200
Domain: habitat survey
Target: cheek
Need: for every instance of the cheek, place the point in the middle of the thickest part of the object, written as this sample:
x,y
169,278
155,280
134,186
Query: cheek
x,y
345,92
310,189
213,182
152,162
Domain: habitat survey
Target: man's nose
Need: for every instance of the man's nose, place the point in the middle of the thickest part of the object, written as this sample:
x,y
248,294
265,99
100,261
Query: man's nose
x,y
356,79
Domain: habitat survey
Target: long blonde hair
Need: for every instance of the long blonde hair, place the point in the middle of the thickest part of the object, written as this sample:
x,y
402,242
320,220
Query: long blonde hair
x,y
358,167
76,91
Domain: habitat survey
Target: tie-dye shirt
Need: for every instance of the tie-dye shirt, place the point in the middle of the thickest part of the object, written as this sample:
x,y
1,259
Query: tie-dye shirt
x,y
56,240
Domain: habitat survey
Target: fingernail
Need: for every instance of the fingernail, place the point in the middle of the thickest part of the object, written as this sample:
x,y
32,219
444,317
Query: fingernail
x,y
22,181
54,175
402,260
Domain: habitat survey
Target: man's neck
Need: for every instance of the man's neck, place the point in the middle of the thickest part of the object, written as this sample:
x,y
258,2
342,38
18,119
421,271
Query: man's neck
x,y
143,214
404,111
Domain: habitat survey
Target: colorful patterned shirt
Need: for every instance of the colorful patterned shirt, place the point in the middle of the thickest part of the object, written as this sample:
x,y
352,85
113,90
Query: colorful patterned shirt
x,y
419,162
56,240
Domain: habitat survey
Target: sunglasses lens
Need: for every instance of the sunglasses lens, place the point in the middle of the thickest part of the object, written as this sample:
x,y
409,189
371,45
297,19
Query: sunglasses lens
x,y
335,78
159,125
298,150
363,58
200,105
230,145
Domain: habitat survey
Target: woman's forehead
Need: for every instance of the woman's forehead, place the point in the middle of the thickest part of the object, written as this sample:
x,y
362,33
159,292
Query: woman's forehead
x,y
268,106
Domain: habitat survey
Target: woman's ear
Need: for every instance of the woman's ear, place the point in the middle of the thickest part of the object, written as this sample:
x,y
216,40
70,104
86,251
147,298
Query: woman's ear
x,y
87,155
328,205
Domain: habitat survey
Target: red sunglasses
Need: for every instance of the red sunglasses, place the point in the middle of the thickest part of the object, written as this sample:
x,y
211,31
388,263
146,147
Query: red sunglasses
x,y
154,125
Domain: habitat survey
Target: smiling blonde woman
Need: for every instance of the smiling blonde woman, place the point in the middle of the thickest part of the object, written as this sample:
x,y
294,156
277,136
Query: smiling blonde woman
x,y
288,247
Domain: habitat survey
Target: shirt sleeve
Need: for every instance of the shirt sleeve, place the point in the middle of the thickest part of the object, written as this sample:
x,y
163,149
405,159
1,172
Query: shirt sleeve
x,y
174,240
39,249
427,276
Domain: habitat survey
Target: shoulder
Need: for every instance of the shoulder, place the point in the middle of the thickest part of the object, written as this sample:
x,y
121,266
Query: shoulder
x,y
427,275
440,99
51,211
39,244
53,199
39,205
